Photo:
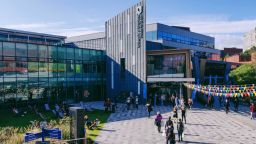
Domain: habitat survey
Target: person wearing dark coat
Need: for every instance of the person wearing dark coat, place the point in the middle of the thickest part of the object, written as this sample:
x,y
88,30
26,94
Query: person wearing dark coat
x,y
149,109
170,136
180,129
227,105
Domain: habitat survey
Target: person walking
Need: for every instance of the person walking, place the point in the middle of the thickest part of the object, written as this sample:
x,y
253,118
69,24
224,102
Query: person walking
x,y
128,101
158,121
162,99
176,101
149,108
236,103
183,113
137,102
175,113
252,110
173,100
227,105
180,128
220,101
169,122
190,103
170,136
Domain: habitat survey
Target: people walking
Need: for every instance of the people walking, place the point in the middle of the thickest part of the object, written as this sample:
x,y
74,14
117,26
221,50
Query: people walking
x,y
149,108
190,103
173,100
137,102
180,128
162,99
220,98
170,136
176,101
158,121
128,102
175,113
252,110
168,123
227,105
183,113
236,103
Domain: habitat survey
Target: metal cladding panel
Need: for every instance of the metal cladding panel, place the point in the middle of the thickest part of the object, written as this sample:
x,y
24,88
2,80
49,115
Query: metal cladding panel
x,y
125,38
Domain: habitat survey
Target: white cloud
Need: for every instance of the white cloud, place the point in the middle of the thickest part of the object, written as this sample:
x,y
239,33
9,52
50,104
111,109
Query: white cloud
x,y
77,31
239,26
57,28
31,26
228,40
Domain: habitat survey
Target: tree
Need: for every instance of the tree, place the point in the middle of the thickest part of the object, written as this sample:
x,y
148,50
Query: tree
x,y
244,74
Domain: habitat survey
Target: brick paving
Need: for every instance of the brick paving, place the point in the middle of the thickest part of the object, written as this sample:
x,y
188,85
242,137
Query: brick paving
x,y
203,126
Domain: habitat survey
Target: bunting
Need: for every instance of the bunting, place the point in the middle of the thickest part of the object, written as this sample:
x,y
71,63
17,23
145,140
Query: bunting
x,y
248,90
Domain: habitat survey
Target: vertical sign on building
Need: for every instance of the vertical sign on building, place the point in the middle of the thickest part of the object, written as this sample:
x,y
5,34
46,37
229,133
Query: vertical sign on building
x,y
126,41
140,25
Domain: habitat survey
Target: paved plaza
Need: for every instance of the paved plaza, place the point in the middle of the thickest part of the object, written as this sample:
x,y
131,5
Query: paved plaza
x,y
203,126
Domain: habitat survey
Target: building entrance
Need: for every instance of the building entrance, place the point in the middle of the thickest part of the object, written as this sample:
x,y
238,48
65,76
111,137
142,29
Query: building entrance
x,y
160,93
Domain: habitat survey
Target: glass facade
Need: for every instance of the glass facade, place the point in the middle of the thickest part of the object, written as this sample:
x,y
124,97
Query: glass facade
x,y
153,35
52,73
166,65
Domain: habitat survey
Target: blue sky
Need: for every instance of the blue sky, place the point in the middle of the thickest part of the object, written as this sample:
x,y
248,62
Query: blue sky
x,y
226,20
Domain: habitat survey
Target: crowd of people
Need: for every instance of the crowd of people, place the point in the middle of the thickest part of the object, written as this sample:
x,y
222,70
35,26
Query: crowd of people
x,y
168,131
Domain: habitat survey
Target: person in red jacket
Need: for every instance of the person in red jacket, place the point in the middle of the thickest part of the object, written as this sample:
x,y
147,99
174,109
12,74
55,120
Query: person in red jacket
x,y
252,109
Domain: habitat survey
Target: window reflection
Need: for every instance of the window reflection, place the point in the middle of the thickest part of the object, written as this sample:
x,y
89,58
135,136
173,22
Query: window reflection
x,y
48,72
166,65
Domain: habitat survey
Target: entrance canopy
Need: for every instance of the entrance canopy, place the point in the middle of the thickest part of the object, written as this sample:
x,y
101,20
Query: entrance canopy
x,y
168,79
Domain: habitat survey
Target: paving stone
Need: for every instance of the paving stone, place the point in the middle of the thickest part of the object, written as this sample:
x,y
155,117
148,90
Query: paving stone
x,y
205,126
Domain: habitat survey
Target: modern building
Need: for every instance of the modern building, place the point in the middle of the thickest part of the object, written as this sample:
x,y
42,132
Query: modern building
x,y
129,58
41,66
141,56
250,39
231,51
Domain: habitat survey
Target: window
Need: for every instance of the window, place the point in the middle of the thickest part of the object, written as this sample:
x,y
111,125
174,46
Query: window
x,y
61,53
42,51
33,69
1,48
8,49
9,69
53,53
21,49
78,54
70,53
32,50
122,72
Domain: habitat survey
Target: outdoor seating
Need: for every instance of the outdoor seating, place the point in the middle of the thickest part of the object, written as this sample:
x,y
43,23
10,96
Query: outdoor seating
x,y
61,114
57,107
47,107
94,124
42,116
55,113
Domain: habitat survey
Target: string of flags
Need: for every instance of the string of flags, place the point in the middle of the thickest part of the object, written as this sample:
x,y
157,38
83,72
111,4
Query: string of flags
x,y
248,90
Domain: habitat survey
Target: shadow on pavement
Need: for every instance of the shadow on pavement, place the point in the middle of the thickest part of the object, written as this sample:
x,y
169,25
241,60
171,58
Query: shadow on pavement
x,y
201,124
194,142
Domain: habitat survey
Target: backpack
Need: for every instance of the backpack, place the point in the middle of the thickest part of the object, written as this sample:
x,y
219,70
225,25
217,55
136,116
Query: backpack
x,y
169,132
181,126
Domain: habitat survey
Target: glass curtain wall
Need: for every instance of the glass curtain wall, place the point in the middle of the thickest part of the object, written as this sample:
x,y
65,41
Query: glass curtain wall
x,y
166,65
50,73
